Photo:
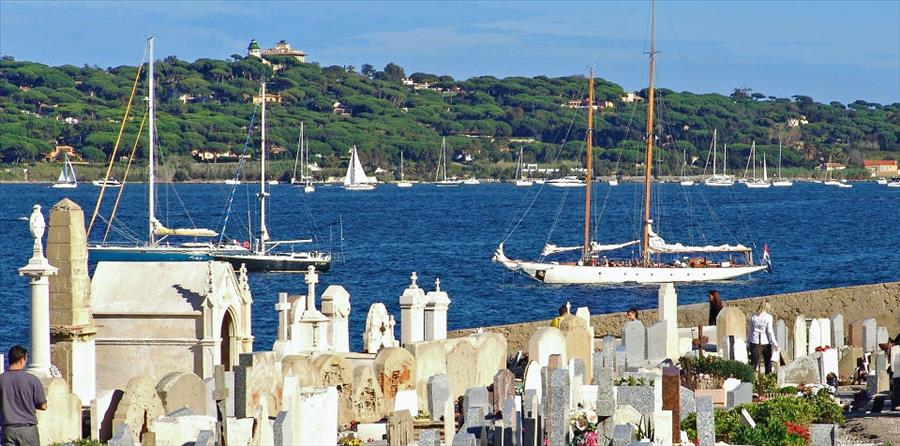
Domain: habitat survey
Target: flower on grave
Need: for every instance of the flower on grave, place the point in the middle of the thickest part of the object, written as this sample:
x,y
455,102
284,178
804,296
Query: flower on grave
x,y
798,430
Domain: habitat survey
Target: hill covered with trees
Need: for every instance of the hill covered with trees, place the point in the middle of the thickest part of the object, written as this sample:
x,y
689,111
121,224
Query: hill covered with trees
x,y
207,106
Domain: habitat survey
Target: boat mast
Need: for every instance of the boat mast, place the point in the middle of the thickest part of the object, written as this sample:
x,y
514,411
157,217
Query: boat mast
x,y
586,249
298,157
401,164
263,232
779,158
151,176
715,143
645,240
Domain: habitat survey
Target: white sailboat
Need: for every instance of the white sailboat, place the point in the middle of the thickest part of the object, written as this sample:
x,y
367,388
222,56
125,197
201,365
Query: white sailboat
x,y
590,270
830,181
716,180
781,181
520,171
66,178
566,181
757,183
402,183
613,182
356,178
265,256
684,180
440,176
302,159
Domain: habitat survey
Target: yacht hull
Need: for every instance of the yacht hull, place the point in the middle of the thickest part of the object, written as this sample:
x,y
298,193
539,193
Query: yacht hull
x,y
579,274
296,263
149,254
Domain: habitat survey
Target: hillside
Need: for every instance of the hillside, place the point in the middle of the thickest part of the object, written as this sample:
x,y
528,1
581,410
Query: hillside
x,y
207,106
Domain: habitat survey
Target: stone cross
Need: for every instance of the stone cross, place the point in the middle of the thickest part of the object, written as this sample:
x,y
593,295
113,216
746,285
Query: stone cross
x,y
220,395
437,284
412,280
39,271
311,280
283,307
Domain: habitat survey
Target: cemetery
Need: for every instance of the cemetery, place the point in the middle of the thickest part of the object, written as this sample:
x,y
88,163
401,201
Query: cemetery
x,y
162,354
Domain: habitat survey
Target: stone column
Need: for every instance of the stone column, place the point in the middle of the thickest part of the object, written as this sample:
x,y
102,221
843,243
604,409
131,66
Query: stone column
x,y
437,303
311,280
336,307
39,271
412,313
667,306
282,344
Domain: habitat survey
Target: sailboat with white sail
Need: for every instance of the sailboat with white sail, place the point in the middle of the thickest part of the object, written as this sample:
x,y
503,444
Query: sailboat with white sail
x,y
440,176
156,247
591,270
684,179
403,183
302,158
781,181
716,180
521,180
758,183
356,178
266,255
66,178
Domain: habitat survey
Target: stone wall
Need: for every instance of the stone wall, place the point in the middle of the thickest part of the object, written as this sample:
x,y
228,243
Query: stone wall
x,y
881,301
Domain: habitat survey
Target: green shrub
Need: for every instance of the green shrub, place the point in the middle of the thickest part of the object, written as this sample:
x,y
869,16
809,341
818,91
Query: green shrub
x,y
712,365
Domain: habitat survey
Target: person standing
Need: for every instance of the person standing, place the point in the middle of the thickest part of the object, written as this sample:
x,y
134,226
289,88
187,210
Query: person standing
x,y
631,314
761,337
21,393
563,312
715,306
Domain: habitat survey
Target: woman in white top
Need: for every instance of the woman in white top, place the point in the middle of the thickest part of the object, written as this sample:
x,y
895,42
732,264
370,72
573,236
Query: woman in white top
x,y
761,337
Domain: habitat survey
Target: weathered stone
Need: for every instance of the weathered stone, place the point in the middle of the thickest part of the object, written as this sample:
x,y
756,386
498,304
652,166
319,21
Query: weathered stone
x,y
379,329
400,429
639,397
742,394
460,372
802,370
546,341
731,321
688,403
823,434
282,429
465,439
476,397
257,377
504,388
395,370
371,432
335,371
61,421
314,414
533,378
663,423
580,345
623,435
122,436
438,395
182,389
800,337
336,307
781,337
667,305
558,397
706,427
656,342
449,421
367,401
512,426
634,337
603,379
180,430
139,404
429,437
671,401
475,424
849,356
870,335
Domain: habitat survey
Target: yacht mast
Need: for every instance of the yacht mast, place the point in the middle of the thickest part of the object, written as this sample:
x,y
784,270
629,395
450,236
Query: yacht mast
x,y
645,240
263,232
586,249
151,129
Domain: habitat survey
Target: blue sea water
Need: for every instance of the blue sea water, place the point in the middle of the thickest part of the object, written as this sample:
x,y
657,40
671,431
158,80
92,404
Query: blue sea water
x,y
819,237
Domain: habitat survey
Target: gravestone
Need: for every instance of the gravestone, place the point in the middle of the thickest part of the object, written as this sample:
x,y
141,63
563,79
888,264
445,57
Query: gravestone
x,y
731,321
781,337
335,371
139,404
579,342
530,403
576,378
122,436
438,395
856,333
62,420
406,400
823,434
257,377
663,423
741,394
881,335
532,431
546,341
802,370
475,425
639,397
800,332
400,428
367,401
314,416
395,370
706,426
688,403
476,397
182,389
634,339
837,331
603,379
336,307
656,342
512,427
879,370
870,335
667,306
558,397
208,438
814,338
437,303
623,435
825,331
739,350
504,388
282,428
533,378
460,371
379,329
847,363
829,361
449,421
465,439
671,401
429,437
412,313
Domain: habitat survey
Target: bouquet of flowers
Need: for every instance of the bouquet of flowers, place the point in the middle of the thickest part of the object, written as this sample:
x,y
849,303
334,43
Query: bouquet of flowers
x,y
583,427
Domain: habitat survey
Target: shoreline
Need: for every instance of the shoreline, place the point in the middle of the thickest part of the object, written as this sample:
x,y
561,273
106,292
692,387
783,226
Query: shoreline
x,y
855,302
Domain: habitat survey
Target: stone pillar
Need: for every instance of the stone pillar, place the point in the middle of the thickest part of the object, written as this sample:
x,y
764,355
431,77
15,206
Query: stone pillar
x,y
336,307
412,313
39,271
311,280
667,305
282,344
436,306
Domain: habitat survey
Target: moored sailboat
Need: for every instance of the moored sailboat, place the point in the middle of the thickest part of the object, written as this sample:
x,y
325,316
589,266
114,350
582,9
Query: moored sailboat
x,y
781,181
757,183
66,178
716,180
356,178
402,183
591,270
440,175
265,256
521,180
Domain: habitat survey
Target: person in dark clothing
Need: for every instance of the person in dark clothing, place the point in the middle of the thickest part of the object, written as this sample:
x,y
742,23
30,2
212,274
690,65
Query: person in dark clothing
x,y
631,314
20,394
715,306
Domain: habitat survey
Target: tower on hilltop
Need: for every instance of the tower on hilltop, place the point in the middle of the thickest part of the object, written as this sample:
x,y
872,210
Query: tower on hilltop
x,y
253,49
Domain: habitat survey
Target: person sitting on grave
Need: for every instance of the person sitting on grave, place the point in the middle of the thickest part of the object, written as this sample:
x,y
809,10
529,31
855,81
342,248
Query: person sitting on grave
x,y
20,394
715,306
631,314
563,312
761,337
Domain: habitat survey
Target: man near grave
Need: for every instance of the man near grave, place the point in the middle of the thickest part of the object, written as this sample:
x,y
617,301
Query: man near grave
x,y
563,312
715,306
631,314
761,337
20,394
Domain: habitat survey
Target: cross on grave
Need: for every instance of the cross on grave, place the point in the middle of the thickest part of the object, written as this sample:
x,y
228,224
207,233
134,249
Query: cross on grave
x,y
283,307
413,279
311,280
437,284
700,340
220,395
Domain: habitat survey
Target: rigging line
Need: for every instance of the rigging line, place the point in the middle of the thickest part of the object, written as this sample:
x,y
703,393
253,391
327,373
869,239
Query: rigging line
x,y
227,212
112,158
559,209
123,231
137,139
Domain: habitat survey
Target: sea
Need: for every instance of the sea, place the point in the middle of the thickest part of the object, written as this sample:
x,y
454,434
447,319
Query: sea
x,y
818,237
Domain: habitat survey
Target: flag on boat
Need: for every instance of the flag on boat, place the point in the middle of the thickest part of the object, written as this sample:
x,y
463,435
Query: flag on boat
x,y
766,259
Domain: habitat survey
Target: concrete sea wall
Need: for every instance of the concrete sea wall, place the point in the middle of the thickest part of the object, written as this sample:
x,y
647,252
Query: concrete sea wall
x,y
881,301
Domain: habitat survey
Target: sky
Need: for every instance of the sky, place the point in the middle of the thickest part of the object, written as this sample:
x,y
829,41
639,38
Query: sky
x,y
829,50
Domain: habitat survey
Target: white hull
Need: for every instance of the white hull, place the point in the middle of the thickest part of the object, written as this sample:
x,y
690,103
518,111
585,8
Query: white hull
x,y
359,187
881,181
565,182
758,185
64,185
404,184
719,183
471,181
99,183
448,183
784,183
578,274
273,182
309,189
524,183
232,182
687,183
613,182
539,181
894,184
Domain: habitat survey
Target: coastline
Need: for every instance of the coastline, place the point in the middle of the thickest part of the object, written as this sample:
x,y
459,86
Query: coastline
x,y
881,301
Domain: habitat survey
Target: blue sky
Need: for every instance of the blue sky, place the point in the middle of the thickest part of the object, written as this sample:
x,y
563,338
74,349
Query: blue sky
x,y
833,50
